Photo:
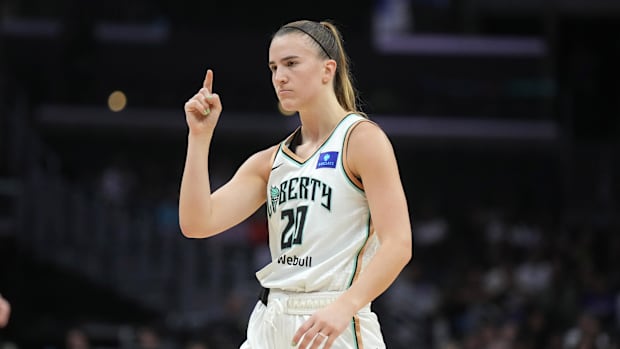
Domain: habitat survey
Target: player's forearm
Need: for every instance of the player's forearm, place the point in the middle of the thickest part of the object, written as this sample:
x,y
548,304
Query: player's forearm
x,y
195,193
381,271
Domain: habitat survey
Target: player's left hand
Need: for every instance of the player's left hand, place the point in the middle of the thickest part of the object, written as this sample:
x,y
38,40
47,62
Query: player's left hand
x,y
324,326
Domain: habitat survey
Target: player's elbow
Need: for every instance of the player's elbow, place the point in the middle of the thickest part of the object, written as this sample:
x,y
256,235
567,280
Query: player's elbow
x,y
194,223
403,249
194,230
406,253
189,231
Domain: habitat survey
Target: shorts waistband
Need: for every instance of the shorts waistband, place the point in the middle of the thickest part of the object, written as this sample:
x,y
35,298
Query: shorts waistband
x,y
301,302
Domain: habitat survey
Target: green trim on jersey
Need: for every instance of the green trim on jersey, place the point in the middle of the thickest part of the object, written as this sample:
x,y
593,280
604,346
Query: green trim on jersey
x,y
355,332
300,164
357,255
344,173
317,149
342,165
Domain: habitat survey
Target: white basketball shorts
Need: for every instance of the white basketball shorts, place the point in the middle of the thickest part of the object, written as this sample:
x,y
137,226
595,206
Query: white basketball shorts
x,y
273,326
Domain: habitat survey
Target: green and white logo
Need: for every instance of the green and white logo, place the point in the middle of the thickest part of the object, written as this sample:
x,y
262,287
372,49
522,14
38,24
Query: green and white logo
x,y
274,193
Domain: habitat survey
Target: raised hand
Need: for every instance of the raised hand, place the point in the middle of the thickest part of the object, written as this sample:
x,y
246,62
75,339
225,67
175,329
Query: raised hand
x,y
203,110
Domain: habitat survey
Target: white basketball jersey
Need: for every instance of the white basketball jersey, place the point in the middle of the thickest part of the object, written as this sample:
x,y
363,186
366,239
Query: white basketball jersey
x,y
320,229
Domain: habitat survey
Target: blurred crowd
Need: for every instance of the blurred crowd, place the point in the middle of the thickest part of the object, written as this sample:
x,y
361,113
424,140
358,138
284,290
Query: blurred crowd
x,y
506,280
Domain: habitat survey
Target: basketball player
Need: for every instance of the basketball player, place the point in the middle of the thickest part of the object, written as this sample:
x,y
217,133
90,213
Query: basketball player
x,y
5,311
339,229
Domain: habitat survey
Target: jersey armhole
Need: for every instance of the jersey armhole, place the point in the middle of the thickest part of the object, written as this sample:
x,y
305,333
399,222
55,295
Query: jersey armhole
x,y
275,153
345,151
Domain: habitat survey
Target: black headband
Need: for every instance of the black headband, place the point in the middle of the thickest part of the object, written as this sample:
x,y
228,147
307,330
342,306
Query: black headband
x,y
313,38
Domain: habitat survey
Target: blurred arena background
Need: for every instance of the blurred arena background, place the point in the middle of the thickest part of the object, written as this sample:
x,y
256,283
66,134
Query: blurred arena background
x,y
504,116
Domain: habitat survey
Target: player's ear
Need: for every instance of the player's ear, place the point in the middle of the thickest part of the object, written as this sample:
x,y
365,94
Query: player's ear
x,y
329,70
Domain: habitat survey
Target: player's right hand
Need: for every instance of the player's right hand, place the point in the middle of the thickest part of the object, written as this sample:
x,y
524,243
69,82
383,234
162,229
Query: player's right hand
x,y
203,110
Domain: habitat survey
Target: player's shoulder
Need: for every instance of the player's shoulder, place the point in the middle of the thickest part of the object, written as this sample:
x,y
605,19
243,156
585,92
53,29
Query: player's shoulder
x,y
366,129
260,162
367,140
265,155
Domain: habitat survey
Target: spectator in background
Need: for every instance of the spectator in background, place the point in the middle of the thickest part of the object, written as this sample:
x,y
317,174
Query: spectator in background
x,y
76,338
167,213
586,334
410,304
534,275
167,228
534,332
5,311
148,337
259,240
117,183
195,344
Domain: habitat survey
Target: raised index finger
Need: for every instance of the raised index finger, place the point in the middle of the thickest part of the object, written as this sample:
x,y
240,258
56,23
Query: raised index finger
x,y
208,83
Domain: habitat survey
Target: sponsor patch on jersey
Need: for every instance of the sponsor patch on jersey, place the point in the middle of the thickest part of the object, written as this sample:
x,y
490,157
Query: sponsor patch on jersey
x,y
327,160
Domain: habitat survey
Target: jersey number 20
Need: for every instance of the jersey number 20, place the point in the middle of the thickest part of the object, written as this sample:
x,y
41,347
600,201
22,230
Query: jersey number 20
x,y
294,230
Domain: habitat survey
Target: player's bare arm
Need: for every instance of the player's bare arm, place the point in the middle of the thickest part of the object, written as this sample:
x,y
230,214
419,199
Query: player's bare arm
x,y
371,158
233,202
201,213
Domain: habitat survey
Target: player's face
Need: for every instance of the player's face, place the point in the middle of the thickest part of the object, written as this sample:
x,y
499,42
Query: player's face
x,y
296,70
